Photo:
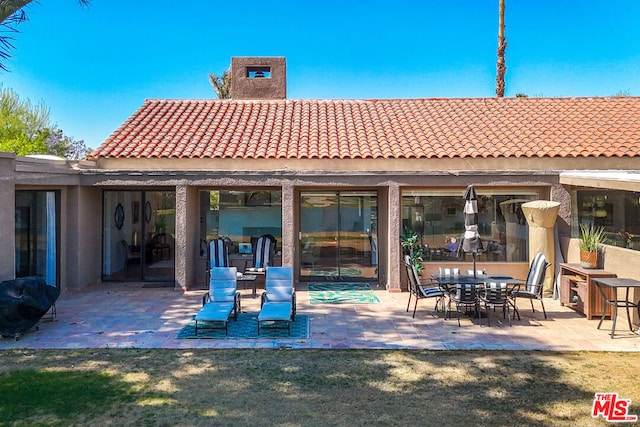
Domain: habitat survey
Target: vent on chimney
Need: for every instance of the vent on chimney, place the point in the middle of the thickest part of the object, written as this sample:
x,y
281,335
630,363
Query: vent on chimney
x,y
259,72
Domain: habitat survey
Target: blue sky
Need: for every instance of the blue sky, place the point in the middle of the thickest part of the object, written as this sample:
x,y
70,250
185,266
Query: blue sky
x,y
93,67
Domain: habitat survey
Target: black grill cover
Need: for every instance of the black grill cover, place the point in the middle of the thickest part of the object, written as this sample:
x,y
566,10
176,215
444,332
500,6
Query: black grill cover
x,y
23,302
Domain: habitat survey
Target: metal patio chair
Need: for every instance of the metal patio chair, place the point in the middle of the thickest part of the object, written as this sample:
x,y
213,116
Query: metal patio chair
x,y
498,295
417,290
533,286
263,253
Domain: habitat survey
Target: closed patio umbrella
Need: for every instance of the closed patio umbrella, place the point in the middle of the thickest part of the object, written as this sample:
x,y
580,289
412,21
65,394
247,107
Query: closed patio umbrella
x,y
471,242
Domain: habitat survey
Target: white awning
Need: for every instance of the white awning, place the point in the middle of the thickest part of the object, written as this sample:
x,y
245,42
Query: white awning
x,y
628,180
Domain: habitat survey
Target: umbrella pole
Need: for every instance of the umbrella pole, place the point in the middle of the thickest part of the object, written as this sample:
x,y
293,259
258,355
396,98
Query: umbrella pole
x,y
474,265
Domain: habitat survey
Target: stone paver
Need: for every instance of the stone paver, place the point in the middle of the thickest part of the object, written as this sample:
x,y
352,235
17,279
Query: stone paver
x,y
128,316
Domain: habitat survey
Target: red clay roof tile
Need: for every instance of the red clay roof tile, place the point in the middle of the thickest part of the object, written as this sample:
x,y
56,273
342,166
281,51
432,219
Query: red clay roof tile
x,y
391,128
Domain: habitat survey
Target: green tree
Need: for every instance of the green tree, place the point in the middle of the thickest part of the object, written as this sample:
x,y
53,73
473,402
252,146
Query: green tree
x,y
12,13
25,129
221,84
23,126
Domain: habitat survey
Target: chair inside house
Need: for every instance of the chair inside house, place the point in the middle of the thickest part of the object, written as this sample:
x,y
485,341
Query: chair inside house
x,y
278,301
161,247
448,271
418,291
533,285
221,300
129,254
464,296
310,253
498,295
263,253
217,255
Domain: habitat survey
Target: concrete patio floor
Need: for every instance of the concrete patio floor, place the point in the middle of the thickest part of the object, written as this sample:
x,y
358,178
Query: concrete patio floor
x,y
128,316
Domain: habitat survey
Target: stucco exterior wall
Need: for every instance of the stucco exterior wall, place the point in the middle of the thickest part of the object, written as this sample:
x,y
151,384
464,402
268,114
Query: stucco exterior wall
x,y
324,178
561,195
622,261
443,166
7,216
82,243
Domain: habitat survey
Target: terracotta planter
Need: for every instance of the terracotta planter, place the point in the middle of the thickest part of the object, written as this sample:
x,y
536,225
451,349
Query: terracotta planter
x,y
588,259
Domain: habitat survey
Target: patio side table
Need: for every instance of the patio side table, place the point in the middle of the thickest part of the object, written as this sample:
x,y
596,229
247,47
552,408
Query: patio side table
x,y
616,283
249,278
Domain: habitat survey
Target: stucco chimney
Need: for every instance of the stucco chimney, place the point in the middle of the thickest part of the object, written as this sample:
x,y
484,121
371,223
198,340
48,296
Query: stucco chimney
x,y
258,78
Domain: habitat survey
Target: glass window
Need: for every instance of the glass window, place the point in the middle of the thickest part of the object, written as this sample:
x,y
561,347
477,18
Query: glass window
x,y
438,220
241,216
617,211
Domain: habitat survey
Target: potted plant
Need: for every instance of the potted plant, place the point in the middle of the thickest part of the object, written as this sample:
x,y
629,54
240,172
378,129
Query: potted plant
x,y
590,240
410,241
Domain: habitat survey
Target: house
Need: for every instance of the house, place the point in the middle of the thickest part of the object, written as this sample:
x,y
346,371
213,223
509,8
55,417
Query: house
x,y
335,181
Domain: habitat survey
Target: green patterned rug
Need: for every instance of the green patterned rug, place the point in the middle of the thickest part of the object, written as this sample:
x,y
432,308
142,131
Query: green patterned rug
x,y
333,272
341,293
247,327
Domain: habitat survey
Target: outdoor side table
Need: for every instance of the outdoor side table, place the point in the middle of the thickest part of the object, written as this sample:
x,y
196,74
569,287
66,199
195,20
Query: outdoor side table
x,y
249,278
616,283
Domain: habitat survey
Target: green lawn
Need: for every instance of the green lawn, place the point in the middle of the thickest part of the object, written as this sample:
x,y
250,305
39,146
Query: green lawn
x,y
309,387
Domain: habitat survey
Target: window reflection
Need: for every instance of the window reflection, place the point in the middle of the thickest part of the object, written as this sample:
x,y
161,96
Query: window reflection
x,y
241,216
617,211
438,220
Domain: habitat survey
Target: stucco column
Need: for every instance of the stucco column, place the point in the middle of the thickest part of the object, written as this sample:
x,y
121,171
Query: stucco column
x,y
394,251
81,205
541,216
288,223
187,241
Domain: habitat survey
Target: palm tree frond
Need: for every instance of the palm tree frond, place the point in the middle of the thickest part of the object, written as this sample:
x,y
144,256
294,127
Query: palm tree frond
x,y
221,84
12,13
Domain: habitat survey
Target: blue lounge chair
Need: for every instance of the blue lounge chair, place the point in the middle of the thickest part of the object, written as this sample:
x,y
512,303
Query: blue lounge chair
x,y
278,303
221,300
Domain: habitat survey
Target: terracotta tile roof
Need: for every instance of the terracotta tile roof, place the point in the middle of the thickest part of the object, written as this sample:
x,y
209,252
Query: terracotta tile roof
x,y
380,128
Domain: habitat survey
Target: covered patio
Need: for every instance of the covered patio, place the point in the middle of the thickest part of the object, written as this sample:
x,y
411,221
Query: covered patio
x,y
130,316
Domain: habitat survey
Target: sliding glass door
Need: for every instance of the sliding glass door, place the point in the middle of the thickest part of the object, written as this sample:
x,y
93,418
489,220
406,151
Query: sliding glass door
x,y
37,228
338,235
139,236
